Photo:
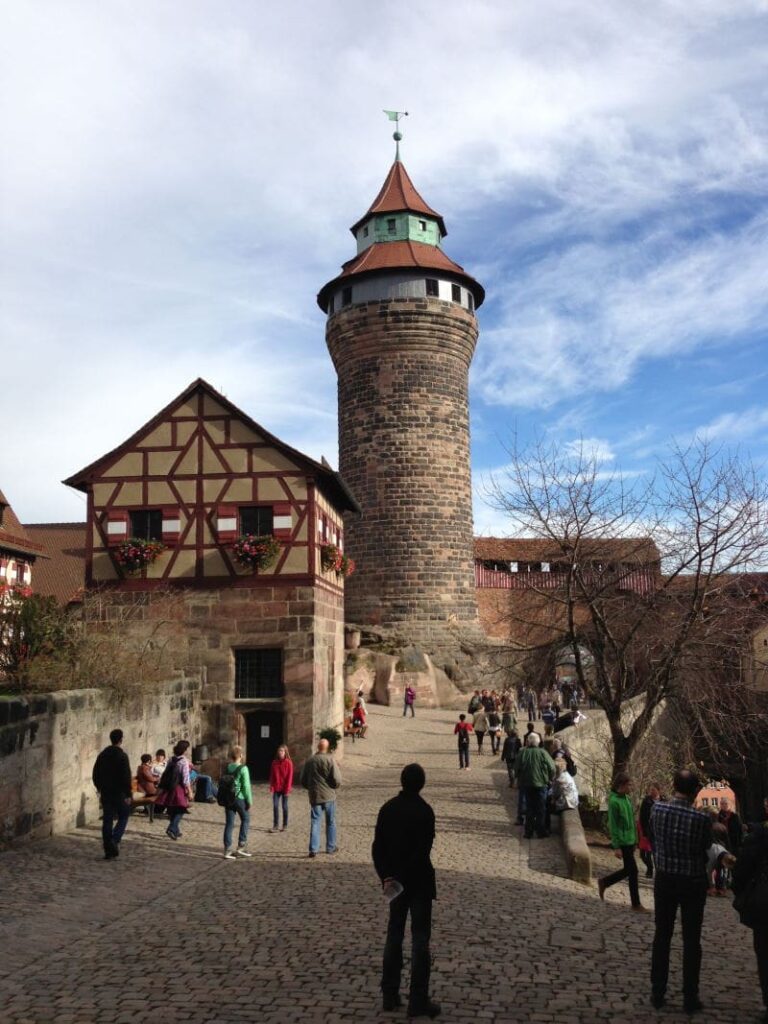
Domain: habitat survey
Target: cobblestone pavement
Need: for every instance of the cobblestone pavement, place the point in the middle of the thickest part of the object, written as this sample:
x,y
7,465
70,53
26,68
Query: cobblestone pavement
x,y
171,932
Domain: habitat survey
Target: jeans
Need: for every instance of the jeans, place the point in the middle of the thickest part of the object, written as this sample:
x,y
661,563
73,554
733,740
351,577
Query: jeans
x,y
111,808
628,871
690,895
646,856
464,756
420,908
535,806
205,789
480,737
277,799
316,813
495,742
405,709
511,774
175,822
240,811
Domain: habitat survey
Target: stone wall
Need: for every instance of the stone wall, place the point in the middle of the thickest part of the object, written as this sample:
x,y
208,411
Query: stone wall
x,y
402,369
202,628
48,745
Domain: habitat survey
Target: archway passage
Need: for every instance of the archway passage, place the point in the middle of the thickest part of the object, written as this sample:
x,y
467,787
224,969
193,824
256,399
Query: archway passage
x,y
264,734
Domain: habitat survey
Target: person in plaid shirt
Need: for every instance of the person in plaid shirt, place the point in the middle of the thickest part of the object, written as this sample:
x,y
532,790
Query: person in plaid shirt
x,y
681,837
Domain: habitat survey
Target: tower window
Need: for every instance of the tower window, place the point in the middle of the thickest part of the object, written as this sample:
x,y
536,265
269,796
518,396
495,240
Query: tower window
x,y
346,296
470,301
456,293
365,231
422,225
147,524
391,226
259,674
331,303
432,288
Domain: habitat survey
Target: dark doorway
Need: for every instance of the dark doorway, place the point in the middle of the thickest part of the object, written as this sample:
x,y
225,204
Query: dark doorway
x,y
264,732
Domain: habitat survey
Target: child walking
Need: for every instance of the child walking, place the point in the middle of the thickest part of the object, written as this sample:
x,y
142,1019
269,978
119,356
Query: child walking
x,y
280,785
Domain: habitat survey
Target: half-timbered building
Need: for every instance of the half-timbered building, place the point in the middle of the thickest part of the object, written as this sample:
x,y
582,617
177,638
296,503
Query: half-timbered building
x,y
169,515
18,553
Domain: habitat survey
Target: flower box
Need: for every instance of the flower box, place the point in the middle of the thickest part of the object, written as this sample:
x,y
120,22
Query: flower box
x,y
254,552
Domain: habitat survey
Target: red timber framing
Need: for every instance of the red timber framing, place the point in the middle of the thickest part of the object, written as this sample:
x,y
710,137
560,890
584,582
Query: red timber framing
x,y
191,470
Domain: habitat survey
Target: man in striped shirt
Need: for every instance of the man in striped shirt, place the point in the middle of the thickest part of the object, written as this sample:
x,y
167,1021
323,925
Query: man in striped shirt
x,y
680,837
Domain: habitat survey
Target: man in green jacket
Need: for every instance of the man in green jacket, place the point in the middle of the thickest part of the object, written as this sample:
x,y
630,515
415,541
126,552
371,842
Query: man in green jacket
x,y
321,778
623,831
534,770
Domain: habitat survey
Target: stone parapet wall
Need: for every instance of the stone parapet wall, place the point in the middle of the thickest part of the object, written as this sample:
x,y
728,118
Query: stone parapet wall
x,y
404,451
48,745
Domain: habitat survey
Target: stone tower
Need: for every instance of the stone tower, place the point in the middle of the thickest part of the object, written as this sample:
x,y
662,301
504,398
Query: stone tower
x,y
401,332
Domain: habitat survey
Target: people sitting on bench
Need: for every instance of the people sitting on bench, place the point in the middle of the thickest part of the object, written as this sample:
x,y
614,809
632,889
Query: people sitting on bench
x,y
145,777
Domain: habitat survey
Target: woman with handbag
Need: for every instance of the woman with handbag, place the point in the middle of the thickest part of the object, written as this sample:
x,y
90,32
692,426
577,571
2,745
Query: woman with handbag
x,y
176,789
750,884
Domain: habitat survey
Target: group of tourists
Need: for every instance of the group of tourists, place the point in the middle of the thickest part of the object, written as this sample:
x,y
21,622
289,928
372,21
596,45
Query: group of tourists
x,y
684,850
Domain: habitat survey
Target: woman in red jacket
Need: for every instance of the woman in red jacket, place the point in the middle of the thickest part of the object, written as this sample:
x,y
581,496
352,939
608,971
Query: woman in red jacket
x,y
280,785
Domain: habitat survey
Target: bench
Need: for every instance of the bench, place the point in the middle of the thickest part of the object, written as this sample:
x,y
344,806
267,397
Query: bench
x,y
140,799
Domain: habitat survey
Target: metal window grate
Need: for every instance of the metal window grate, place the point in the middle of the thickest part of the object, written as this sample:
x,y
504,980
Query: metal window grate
x,y
259,673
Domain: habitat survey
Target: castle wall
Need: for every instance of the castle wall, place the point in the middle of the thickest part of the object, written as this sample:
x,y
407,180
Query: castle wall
x,y
49,743
404,451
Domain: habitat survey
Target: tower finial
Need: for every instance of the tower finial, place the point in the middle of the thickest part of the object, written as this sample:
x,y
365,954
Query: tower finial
x,y
395,115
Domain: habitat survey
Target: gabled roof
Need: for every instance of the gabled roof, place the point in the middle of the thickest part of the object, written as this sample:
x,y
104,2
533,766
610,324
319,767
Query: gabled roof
x,y
330,482
62,574
398,193
13,537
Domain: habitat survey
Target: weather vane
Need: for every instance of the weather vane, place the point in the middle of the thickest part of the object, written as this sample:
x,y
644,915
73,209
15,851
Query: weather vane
x,y
395,115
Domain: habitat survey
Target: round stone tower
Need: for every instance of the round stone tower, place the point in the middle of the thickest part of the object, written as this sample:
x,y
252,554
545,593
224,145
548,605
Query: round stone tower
x,y
401,332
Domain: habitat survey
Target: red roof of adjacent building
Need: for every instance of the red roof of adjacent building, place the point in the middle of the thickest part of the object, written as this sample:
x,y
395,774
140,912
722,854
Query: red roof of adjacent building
x,y
13,536
62,573
399,193
536,549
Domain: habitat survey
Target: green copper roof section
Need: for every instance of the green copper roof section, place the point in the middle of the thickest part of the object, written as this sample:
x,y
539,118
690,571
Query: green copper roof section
x,y
398,227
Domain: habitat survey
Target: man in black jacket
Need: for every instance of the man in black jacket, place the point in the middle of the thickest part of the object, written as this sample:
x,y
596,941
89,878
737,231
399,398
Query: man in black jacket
x,y
405,831
112,778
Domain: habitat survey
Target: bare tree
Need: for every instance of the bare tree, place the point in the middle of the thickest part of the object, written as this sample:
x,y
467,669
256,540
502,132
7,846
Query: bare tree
x,y
641,576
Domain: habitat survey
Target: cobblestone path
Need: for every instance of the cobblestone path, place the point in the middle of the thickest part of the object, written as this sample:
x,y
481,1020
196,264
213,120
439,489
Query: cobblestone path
x,y
172,933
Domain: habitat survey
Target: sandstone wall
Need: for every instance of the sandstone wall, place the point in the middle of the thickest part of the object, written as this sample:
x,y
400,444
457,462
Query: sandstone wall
x,y
402,369
49,743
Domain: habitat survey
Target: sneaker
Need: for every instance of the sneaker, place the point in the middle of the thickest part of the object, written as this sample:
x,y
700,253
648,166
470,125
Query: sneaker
x,y
657,1001
284,828
229,855
242,852
311,854
391,1002
429,1009
273,830
172,835
694,1005
334,850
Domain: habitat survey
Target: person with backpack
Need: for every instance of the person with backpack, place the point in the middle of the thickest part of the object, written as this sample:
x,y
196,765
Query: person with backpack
x,y
509,751
176,789
235,797
280,785
461,731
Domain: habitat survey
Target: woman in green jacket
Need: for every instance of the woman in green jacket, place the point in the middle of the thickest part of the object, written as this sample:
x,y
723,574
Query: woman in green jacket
x,y
621,825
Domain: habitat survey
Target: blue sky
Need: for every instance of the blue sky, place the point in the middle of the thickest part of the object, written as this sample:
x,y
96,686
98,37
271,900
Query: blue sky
x,y
179,177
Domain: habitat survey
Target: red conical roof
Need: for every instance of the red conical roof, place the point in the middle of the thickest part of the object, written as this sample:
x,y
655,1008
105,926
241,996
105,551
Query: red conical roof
x,y
399,193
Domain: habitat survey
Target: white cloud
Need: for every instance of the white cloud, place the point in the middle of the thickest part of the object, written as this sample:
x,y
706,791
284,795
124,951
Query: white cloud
x,y
738,426
178,179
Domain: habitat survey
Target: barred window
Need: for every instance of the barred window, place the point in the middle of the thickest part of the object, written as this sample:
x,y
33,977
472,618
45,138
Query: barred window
x,y
259,673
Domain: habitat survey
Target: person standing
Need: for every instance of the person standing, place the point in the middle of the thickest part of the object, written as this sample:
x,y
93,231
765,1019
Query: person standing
x,y
409,698
623,832
402,844
749,873
508,712
534,769
239,807
280,785
494,730
176,789
461,731
681,837
644,821
480,727
321,778
112,778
